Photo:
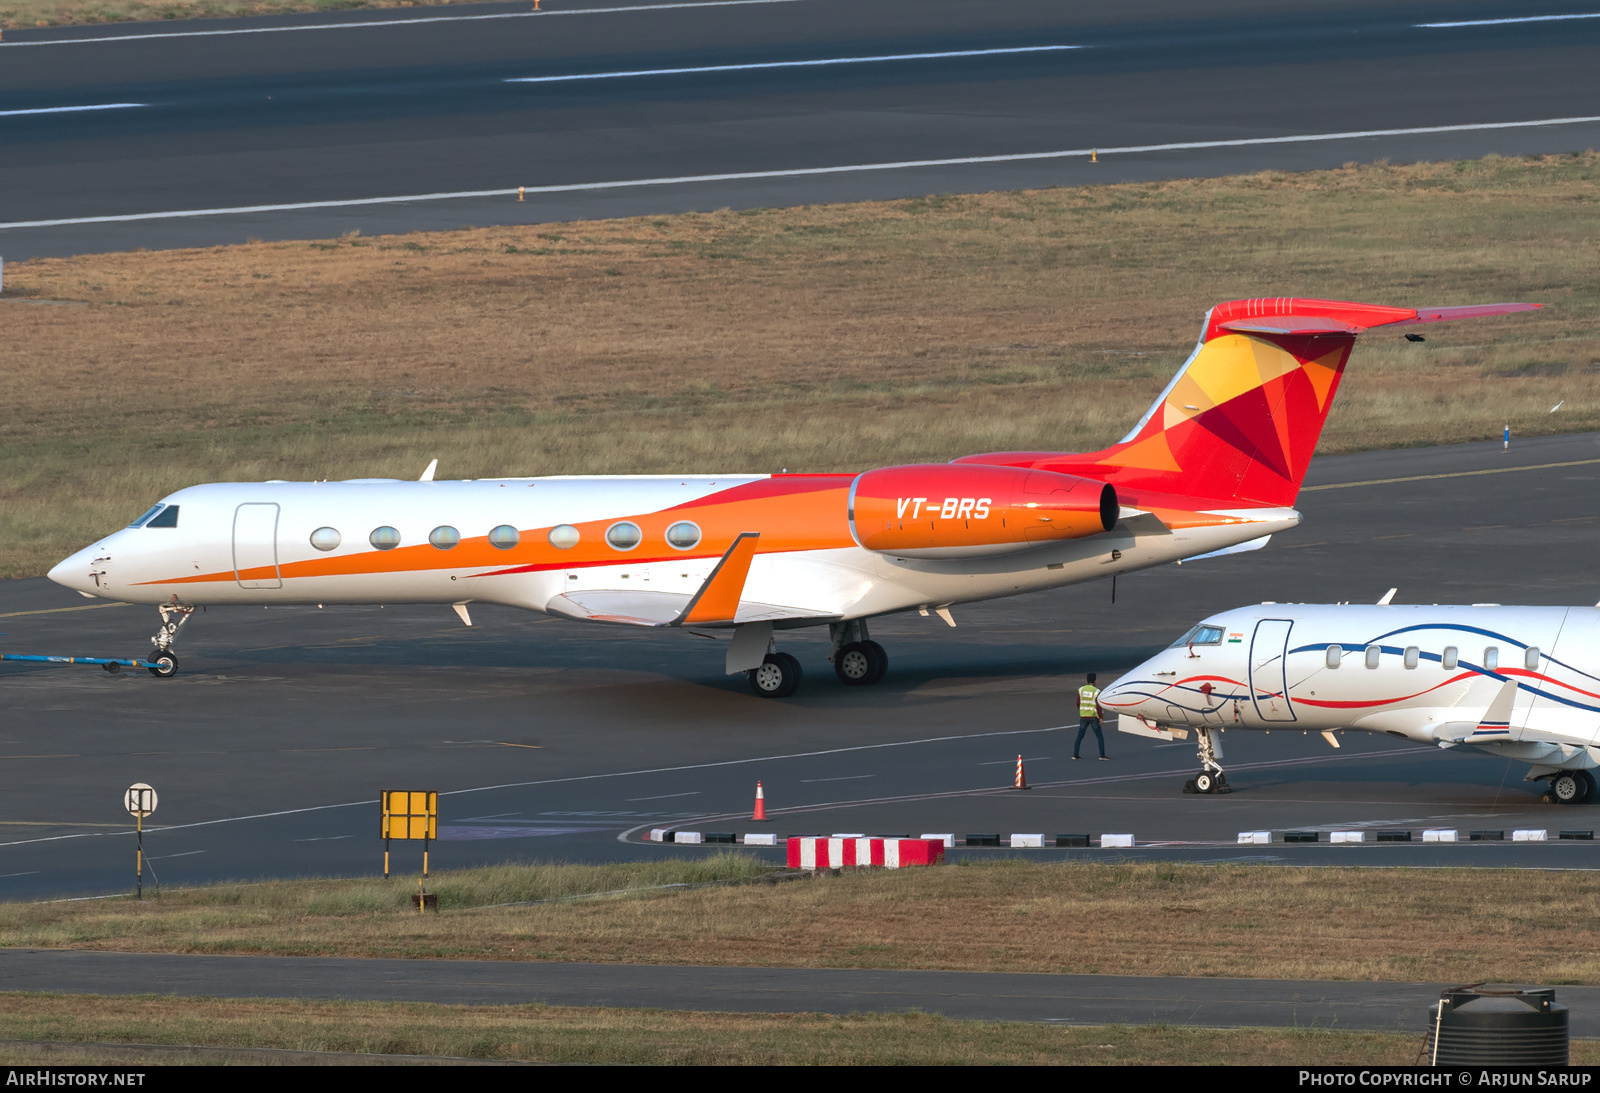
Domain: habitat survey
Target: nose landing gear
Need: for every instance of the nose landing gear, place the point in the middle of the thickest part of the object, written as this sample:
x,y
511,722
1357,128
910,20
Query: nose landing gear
x,y
1212,778
163,661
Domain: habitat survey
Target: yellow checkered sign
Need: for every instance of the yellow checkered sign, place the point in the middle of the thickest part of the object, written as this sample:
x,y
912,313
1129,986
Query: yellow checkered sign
x,y
410,814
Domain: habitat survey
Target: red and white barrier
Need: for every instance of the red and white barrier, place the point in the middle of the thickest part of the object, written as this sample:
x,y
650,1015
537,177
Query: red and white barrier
x,y
818,852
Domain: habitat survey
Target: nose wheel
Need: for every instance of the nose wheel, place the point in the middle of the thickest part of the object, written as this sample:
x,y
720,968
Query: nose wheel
x,y
162,660
1211,778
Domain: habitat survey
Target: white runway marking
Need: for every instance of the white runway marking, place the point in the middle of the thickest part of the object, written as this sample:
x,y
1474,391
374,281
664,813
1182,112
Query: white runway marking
x,y
1515,19
790,64
392,22
71,109
800,172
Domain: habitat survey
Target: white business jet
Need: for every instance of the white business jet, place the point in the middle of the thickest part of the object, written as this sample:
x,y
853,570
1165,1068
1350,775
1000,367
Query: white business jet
x,y
1519,683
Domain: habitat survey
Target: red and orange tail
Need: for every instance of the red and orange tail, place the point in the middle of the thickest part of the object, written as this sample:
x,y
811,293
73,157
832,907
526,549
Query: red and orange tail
x,y
1240,420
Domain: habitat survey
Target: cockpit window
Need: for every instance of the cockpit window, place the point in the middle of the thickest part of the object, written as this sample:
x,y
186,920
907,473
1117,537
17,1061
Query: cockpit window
x,y
1204,634
166,518
151,511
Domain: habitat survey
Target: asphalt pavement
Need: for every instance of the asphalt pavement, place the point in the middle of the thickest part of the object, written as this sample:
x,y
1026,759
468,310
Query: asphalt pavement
x,y
555,739
988,996
311,126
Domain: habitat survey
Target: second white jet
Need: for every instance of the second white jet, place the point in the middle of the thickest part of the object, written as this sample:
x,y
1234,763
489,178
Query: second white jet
x,y
1518,683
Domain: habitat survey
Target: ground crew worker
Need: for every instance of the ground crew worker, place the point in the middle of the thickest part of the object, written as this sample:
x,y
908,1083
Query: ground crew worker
x,y
1089,717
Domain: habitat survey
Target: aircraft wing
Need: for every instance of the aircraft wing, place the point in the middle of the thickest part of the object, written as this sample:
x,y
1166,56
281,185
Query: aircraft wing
x,y
718,603
634,608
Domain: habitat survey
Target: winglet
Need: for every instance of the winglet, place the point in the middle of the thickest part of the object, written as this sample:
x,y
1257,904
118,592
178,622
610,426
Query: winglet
x,y
718,599
427,475
1496,720
1388,598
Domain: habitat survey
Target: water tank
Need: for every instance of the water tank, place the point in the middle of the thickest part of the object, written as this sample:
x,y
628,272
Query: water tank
x,y
1496,1025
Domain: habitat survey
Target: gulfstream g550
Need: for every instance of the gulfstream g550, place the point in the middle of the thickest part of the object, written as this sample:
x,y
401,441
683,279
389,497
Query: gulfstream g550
x,y
1214,465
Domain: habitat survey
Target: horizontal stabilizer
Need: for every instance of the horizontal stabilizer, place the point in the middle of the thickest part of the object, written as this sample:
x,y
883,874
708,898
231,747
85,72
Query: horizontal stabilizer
x,y
1470,311
1292,324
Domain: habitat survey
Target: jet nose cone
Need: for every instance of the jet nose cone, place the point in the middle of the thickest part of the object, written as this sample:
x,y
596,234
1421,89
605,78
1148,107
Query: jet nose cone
x,y
73,573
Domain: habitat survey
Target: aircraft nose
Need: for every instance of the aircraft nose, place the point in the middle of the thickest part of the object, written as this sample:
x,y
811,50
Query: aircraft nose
x,y
73,573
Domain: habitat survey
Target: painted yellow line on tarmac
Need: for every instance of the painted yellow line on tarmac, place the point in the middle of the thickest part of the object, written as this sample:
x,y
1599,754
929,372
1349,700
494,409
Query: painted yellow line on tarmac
x,y
535,747
52,823
58,610
1452,474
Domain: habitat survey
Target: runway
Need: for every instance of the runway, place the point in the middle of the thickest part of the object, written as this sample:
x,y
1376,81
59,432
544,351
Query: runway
x,y
204,132
553,739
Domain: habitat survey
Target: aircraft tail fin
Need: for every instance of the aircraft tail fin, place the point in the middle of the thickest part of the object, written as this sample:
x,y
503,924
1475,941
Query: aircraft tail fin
x,y
1241,418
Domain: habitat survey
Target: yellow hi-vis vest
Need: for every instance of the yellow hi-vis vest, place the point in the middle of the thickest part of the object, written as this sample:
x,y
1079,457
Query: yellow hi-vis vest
x,y
1087,694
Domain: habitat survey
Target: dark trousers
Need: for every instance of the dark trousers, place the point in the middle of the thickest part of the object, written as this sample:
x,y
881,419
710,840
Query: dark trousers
x,y
1084,725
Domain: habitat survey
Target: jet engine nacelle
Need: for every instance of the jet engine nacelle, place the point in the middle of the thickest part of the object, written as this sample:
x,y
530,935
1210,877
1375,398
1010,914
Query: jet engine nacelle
x,y
967,510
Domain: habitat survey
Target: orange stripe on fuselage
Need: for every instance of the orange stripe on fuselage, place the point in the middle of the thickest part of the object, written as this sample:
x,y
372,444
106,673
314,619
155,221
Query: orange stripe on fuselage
x,y
793,513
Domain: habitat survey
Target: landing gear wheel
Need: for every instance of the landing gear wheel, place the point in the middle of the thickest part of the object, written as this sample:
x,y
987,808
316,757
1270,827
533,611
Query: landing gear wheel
x,y
1205,782
163,665
112,667
777,677
854,664
1570,787
880,660
1222,784
1588,784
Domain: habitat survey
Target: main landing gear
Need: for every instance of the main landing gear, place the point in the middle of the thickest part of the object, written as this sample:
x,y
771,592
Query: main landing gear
x,y
1571,787
858,661
163,661
778,677
1211,778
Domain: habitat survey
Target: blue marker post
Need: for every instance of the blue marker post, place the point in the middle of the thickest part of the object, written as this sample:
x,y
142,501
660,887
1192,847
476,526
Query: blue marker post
x,y
1506,439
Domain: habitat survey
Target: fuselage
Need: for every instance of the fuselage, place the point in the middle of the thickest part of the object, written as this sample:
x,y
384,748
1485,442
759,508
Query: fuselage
x,y
1425,673
556,543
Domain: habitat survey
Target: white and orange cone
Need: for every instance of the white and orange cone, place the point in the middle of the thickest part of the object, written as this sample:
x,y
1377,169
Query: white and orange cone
x,y
761,805
1022,779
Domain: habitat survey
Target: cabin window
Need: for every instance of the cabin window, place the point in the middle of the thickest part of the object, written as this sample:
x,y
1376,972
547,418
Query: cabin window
x,y
166,518
444,536
1530,658
1204,634
326,538
504,537
564,536
1491,657
384,538
683,535
1373,652
1413,656
149,512
624,535
1335,655
1450,658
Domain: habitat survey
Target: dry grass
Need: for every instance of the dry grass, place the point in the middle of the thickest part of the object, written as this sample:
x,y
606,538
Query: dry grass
x,y
815,338
1275,923
568,1034
60,13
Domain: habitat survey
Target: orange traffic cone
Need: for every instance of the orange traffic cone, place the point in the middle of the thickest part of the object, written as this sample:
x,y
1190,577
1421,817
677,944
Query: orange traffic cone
x,y
761,805
1022,780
